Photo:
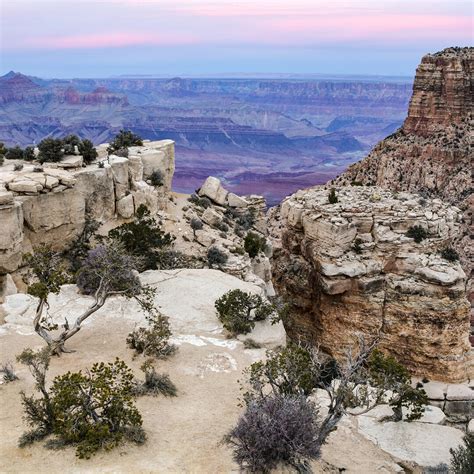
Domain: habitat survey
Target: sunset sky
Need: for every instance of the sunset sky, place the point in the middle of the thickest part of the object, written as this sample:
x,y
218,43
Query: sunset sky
x,y
92,38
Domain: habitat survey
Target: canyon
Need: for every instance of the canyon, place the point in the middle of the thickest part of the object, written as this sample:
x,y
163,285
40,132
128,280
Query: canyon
x,y
267,136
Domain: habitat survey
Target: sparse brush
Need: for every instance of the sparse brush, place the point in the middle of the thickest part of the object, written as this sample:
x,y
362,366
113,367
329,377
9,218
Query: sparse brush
x,y
154,340
251,344
8,372
155,383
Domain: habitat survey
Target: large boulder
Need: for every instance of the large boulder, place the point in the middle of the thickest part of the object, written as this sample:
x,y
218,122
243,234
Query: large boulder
x,y
213,189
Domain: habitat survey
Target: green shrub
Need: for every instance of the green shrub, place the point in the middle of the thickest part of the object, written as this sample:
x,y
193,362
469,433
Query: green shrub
x,y
254,244
386,372
18,167
247,220
286,371
417,233
196,224
95,410
449,254
332,197
29,154
216,256
77,252
238,311
143,238
15,153
50,150
203,202
124,139
87,150
69,144
156,178
462,458
153,340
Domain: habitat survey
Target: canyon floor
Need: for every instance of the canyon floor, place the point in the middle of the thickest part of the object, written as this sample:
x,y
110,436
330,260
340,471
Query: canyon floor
x,y
184,433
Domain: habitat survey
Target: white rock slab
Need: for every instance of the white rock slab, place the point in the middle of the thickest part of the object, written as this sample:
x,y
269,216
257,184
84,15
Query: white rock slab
x,y
424,443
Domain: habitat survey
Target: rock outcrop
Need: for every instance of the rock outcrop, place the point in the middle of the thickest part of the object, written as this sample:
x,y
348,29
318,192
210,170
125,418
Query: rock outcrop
x,y
432,153
49,204
349,269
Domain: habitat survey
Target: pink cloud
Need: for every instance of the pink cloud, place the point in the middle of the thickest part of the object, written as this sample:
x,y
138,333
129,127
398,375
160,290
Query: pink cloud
x,y
108,40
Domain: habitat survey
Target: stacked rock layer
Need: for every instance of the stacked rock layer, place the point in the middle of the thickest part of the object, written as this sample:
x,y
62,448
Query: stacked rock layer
x,y
349,270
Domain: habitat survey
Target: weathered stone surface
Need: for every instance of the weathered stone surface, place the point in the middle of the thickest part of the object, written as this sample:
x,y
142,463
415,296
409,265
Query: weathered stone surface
x,y
125,207
156,156
54,218
401,289
424,443
6,197
211,217
25,186
212,189
119,167
96,186
432,152
236,201
11,237
71,161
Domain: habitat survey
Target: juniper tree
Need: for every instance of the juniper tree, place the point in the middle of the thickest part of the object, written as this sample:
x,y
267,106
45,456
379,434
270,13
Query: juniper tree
x,y
107,271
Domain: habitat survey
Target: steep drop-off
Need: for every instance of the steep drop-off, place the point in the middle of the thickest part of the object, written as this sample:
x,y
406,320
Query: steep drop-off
x,y
432,153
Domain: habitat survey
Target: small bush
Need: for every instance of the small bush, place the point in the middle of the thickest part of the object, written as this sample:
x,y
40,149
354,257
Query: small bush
x,y
50,150
254,244
8,372
196,224
462,458
238,311
203,202
18,167
155,383
449,254
29,154
417,233
77,252
332,197
153,341
143,238
69,144
156,178
357,246
276,430
247,220
251,344
110,260
15,153
124,139
87,150
172,259
215,256
286,371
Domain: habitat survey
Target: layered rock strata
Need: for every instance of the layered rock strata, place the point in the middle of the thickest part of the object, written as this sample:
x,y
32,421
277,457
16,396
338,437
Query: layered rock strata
x,y
49,204
348,269
433,151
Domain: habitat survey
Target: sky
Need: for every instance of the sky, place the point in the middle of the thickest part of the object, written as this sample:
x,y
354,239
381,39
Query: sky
x,y
102,38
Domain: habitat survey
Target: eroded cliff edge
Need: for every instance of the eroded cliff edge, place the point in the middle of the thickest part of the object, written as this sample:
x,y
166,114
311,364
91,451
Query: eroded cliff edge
x,y
348,269
432,153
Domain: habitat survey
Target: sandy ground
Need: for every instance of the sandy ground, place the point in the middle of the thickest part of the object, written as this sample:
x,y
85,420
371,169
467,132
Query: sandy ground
x,y
184,433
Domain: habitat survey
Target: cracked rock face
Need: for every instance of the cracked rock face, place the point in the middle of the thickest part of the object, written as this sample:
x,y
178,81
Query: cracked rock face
x,y
349,269
432,152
